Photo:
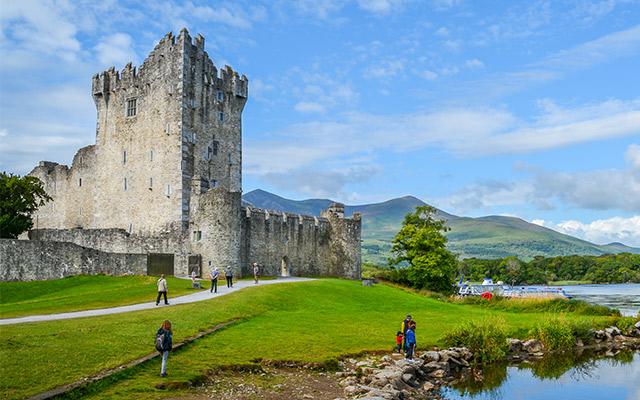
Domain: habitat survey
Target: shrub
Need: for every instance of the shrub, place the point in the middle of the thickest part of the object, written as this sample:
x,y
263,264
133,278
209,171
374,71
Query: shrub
x,y
485,338
555,333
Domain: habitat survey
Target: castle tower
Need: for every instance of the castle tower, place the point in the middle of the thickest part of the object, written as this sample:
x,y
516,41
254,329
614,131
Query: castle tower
x,y
175,120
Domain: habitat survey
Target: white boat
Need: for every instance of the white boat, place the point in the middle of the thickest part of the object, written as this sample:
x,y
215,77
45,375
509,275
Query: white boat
x,y
487,286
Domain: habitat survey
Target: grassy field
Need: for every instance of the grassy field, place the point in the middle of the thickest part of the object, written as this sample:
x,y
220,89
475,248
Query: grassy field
x,y
309,321
83,292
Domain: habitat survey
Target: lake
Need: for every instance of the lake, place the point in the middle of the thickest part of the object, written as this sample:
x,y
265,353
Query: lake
x,y
625,296
584,376
587,376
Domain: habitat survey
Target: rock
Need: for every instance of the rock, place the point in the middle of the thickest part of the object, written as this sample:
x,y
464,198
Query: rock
x,y
428,386
515,345
637,325
608,336
579,342
532,346
451,353
355,390
614,331
388,359
379,382
439,373
407,377
348,382
307,396
362,364
431,366
431,356
621,338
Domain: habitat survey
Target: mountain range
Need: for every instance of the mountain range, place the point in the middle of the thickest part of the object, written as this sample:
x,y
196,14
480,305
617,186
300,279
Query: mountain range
x,y
484,237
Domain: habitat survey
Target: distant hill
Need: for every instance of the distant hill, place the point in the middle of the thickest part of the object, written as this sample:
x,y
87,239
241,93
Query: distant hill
x,y
485,237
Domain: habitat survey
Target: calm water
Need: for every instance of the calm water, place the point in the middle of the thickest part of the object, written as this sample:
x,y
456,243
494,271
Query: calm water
x,y
563,377
625,297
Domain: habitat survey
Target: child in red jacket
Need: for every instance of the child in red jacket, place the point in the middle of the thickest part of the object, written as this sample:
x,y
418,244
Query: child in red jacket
x,y
399,341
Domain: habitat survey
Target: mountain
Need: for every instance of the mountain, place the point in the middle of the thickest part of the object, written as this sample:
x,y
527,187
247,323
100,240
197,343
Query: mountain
x,y
485,237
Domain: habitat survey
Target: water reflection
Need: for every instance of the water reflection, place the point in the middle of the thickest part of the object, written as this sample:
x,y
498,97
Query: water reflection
x,y
608,374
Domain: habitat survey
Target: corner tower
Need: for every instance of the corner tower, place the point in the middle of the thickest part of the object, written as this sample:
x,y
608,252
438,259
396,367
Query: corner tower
x,y
174,121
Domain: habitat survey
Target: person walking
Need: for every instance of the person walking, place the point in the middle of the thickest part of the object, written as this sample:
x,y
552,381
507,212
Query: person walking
x,y
229,275
255,273
162,290
411,341
404,328
214,280
165,346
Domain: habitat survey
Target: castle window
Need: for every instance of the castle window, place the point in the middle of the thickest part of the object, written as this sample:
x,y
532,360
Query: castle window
x,y
150,183
125,184
213,183
170,88
220,96
221,116
229,157
168,191
124,157
193,102
80,211
130,227
168,129
80,160
54,207
151,155
132,107
197,236
209,152
80,182
194,137
214,147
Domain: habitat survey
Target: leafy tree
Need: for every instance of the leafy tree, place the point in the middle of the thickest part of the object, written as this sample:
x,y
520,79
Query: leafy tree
x,y
19,199
422,244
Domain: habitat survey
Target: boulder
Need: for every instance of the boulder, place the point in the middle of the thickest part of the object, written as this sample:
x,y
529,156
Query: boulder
x,y
637,325
439,373
431,356
515,345
428,386
431,366
614,331
532,346
579,342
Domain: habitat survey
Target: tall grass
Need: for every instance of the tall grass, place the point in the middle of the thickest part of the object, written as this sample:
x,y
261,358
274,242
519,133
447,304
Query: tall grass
x,y
537,305
486,338
555,333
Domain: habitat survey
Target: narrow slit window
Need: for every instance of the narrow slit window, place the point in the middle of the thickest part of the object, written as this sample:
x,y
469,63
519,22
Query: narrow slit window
x,y
151,155
150,183
124,183
221,116
124,157
80,182
220,96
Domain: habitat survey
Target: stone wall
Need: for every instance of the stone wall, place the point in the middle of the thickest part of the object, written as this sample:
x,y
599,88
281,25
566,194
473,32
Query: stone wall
x,y
24,260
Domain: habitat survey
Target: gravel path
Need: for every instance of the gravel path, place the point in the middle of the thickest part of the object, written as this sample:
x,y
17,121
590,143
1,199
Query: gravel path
x,y
190,298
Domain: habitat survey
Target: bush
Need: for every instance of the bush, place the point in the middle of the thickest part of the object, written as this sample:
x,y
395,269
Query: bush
x,y
555,333
485,338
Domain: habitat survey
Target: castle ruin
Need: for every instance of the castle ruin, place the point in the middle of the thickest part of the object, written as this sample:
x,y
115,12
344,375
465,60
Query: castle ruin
x,y
164,178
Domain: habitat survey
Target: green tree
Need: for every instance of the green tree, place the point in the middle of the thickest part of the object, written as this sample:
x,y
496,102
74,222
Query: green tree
x,y
19,199
422,244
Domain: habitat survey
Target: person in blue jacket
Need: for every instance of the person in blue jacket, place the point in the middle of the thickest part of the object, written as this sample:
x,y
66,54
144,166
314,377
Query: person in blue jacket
x,y
168,345
411,341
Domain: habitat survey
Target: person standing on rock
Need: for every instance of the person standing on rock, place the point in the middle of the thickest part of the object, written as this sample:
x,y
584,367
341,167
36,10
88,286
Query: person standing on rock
x,y
411,341
255,273
214,280
162,290
404,328
167,345
229,275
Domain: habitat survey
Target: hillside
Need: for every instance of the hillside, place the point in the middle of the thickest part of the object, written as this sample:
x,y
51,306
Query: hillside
x,y
485,237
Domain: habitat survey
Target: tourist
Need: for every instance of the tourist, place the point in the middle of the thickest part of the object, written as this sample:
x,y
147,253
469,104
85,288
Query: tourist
x,y
404,328
411,341
229,275
214,280
166,345
162,290
193,276
255,272
399,337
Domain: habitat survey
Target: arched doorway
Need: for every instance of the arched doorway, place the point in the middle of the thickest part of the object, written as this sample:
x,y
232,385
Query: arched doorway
x,y
286,267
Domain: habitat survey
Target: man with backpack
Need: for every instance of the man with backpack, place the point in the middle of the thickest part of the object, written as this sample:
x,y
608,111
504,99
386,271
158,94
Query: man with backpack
x,y
162,290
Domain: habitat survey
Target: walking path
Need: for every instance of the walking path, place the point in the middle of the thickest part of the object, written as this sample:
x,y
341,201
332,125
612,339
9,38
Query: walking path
x,y
189,298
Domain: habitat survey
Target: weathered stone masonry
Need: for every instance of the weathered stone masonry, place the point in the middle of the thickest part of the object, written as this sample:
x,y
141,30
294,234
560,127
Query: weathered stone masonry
x,y
165,176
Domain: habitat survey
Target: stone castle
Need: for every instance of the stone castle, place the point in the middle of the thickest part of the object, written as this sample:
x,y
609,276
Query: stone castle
x,y
164,178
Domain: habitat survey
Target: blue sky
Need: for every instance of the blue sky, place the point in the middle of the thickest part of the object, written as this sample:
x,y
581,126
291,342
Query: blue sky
x,y
522,108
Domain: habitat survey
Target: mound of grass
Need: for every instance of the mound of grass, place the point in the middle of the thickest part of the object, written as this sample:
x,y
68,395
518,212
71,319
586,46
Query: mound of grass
x,y
82,292
486,338
307,322
538,305
555,333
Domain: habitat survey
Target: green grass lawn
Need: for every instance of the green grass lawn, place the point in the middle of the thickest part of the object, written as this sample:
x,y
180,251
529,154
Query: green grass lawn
x,y
306,321
83,292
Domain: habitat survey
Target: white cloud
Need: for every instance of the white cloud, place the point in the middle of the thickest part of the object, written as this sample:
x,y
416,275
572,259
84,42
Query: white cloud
x,y
442,31
309,107
603,231
474,64
385,69
428,75
116,50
